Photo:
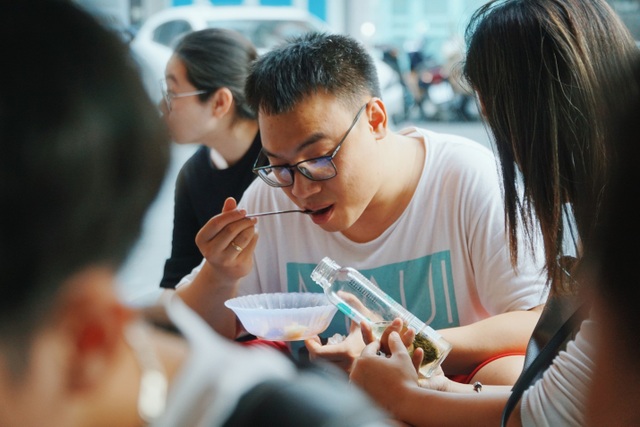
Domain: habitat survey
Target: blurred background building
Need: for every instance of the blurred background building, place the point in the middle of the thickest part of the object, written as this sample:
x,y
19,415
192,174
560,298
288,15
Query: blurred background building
x,y
405,24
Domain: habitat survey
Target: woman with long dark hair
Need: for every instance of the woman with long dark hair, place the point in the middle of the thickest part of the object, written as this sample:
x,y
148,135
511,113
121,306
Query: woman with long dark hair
x,y
546,73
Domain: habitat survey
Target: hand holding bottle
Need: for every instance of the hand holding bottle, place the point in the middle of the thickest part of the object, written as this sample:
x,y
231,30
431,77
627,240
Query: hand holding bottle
x,y
365,303
407,335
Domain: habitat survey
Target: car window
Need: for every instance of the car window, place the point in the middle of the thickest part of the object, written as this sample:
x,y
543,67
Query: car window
x,y
266,34
167,33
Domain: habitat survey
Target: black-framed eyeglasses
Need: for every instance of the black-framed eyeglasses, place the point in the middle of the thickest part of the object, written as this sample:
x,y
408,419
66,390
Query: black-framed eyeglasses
x,y
169,96
316,169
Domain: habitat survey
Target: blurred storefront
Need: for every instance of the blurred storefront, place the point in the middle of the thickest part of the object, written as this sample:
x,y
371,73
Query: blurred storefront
x,y
407,25
402,23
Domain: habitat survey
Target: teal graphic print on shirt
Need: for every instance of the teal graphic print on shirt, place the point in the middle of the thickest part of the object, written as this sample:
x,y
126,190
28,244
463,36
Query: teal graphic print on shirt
x,y
424,286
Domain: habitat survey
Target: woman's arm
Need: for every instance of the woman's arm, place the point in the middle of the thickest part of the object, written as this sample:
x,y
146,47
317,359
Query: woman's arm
x,y
477,342
392,381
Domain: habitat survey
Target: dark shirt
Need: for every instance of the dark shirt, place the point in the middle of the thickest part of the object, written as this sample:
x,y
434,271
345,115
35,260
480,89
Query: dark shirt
x,y
201,190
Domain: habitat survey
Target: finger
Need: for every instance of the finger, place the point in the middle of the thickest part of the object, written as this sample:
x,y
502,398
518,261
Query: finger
x,y
353,327
408,336
249,248
367,333
354,302
236,247
395,326
229,204
371,349
313,343
416,358
244,236
395,344
219,223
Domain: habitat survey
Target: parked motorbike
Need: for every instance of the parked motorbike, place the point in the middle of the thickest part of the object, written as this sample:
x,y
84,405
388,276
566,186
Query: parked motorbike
x,y
440,102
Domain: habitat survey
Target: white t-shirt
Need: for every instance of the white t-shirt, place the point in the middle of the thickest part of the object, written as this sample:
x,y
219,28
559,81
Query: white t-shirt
x,y
559,397
445,259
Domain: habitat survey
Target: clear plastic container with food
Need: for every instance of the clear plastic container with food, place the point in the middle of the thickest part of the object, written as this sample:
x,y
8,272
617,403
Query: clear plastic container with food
x,y
362,301
283,316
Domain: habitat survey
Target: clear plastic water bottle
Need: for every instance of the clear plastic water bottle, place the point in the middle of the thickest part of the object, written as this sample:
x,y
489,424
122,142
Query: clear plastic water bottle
x,y
362,301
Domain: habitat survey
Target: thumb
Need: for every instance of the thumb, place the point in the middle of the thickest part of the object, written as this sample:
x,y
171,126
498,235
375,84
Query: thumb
x,y
229,204
395,343
353,327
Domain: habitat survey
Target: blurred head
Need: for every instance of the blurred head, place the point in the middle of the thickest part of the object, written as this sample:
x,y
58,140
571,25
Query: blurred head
x,y
213,64
544,71
317,97
83,155
612,259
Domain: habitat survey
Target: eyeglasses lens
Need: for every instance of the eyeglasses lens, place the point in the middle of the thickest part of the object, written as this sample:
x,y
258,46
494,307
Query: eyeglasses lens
x,y
165,94
277,177
316,170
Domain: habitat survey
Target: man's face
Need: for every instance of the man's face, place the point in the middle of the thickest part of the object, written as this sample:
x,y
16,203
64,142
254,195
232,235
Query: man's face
x,y
314,128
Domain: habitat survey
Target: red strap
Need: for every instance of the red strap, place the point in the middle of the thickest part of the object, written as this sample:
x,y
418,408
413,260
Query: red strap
x,y
466,378
278,345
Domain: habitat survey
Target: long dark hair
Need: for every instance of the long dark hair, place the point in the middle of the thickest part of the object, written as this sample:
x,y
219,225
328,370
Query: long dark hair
x,y
544,71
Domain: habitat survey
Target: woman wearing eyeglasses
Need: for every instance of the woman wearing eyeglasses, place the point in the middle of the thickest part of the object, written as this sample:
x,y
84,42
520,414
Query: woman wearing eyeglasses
x,y
204,103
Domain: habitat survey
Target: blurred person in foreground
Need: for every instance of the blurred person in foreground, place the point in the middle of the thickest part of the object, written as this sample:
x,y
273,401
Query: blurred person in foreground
x,y
204,103
418,212
613,272
84,153
547,74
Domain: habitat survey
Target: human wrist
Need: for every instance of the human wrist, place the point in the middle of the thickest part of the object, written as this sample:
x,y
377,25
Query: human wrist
x,y
405,396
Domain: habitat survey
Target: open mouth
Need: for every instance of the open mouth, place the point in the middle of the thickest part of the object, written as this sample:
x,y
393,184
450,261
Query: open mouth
x,y
319,211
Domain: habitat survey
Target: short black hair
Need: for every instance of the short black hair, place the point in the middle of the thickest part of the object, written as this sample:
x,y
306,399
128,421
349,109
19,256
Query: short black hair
x,y
312,63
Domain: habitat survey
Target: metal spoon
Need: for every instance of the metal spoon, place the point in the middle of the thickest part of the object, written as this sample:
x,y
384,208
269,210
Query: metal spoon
x,y
305,211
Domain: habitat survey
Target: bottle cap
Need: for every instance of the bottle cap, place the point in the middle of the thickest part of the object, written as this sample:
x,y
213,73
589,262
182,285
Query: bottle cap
x,y
323,272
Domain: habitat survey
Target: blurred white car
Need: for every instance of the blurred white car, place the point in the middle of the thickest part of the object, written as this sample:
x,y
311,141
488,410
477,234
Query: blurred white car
x,y
265,26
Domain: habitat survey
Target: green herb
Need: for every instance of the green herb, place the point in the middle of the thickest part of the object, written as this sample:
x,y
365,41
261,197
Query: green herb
x,y
430,351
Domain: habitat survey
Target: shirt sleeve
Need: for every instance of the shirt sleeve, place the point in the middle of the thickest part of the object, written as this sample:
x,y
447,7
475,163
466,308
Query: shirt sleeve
x,y
559,397
184,251
189,277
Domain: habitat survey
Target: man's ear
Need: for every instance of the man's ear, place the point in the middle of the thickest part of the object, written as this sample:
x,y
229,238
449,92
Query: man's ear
x,y
92,319
377,116
221,102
